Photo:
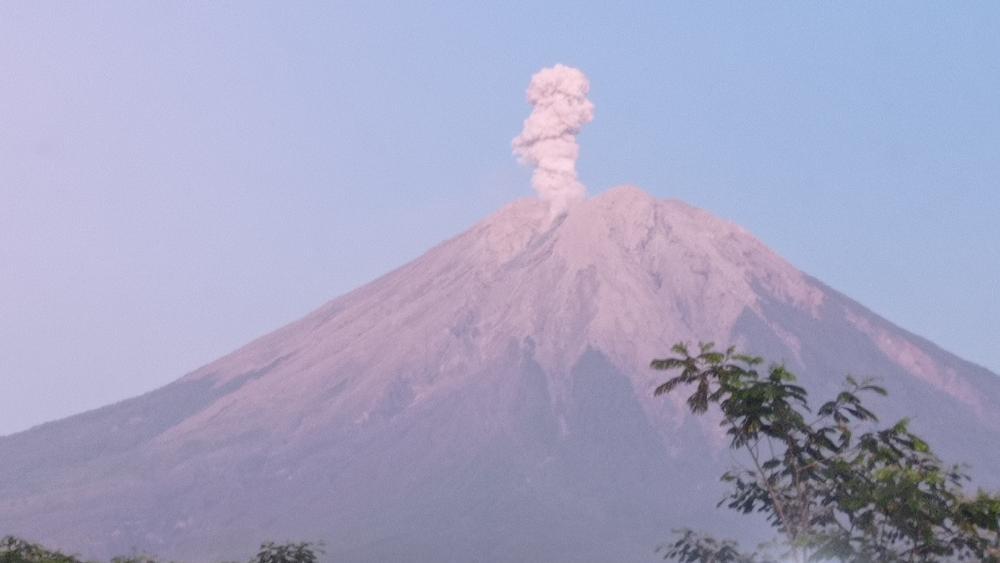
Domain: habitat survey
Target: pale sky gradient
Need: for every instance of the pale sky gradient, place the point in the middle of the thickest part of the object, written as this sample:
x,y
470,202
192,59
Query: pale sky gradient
x,y
179,178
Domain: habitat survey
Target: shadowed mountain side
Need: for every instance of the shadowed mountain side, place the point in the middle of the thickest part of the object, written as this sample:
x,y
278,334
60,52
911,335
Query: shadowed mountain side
x,y
489,401
488,471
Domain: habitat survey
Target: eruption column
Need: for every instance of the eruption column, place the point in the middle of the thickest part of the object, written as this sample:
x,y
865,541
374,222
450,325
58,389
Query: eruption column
x,y
548,140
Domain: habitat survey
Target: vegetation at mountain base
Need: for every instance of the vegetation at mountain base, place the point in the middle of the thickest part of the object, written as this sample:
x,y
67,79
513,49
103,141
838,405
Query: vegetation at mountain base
x,y
17,550
832,485
301,552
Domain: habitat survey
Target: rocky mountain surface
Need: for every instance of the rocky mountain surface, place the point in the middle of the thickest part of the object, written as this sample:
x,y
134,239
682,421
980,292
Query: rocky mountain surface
x,y
489,401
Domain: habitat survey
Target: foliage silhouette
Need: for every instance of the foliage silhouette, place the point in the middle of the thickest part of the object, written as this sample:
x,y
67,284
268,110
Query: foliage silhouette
x,y
17,550
301,552
832,485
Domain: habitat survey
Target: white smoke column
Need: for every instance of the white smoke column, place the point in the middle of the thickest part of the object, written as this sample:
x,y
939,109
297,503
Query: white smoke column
x,y
548,140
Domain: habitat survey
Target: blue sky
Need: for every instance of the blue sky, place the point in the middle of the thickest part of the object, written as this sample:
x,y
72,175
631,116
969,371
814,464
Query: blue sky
x,y
178,178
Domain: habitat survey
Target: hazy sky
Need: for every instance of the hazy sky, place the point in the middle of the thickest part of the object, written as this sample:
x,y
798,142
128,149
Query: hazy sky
x,y
179,178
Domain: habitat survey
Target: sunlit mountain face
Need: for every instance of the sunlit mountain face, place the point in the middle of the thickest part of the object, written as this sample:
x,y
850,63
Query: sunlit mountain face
x,y
489,401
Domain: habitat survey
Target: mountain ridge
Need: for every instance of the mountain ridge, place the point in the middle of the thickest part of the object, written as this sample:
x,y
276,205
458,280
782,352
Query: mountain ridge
x,y
490,391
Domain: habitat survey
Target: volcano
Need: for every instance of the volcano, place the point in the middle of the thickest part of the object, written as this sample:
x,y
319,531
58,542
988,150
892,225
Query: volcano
x,y
489,401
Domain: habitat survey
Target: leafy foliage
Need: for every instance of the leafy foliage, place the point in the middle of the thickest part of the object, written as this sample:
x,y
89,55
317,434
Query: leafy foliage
x,y
302,552
692,547
17,550
832,486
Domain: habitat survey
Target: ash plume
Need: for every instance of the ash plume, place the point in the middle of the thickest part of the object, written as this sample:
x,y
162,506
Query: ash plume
x,y
548,140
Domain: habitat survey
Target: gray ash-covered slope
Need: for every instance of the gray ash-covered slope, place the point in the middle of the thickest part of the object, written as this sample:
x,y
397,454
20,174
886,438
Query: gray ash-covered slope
x,y
490,401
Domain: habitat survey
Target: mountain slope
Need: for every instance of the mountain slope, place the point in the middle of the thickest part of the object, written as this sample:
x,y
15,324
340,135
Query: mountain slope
x,y
489,401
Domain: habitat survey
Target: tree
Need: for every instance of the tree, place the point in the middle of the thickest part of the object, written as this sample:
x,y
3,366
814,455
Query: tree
x,y
832,485
16,550
302,552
